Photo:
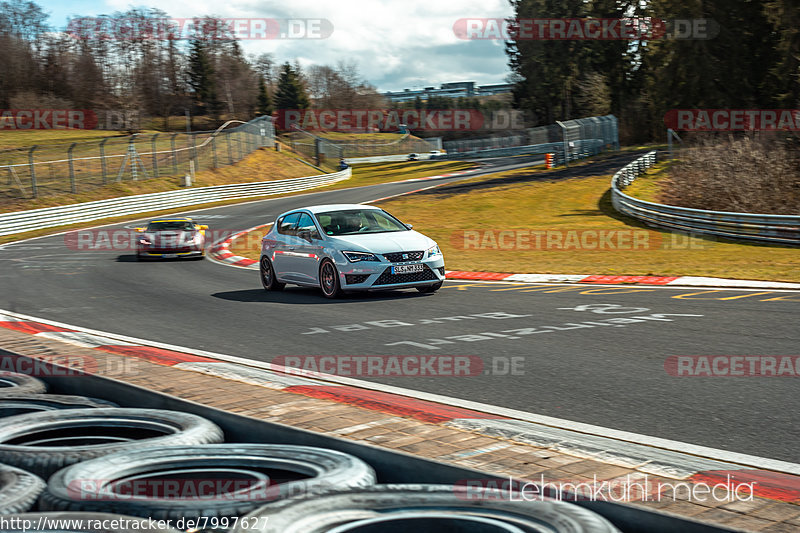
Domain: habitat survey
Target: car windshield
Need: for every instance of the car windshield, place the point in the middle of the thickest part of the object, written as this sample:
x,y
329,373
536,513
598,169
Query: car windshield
x,y
170,225
352,221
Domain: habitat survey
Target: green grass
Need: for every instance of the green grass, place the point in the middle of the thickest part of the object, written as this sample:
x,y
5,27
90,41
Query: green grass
x,y
10,139
569,207
262,165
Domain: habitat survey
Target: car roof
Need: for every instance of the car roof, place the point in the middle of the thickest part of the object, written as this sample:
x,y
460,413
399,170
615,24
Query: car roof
x,y
177,219
334,207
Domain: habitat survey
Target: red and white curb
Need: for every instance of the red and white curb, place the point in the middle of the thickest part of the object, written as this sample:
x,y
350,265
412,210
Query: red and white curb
x,y
220,252
682,281
777,480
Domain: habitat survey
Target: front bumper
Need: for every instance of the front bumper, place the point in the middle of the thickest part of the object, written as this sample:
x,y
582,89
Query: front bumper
x,y
378,276
170,253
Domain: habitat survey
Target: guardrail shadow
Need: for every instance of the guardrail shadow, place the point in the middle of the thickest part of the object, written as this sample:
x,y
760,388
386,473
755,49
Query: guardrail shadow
x,y
588,169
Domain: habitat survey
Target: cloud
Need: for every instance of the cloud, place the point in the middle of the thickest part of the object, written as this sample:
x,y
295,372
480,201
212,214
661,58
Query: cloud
x,y
396,44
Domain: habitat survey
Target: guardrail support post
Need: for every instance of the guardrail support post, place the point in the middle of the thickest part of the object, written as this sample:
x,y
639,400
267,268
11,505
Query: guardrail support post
x,y
103,160
155,156
566,143
34,188
72,186
174,153
194,152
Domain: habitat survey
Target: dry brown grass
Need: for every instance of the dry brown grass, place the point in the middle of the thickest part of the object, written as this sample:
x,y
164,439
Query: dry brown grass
x,y
262,165
742,175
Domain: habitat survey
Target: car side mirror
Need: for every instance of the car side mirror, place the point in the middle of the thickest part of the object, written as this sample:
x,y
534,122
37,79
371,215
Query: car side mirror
x,y
409,226
140,230
202,227
308,235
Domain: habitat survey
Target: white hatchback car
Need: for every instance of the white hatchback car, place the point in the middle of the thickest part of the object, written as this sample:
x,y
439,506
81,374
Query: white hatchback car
x,y
348,247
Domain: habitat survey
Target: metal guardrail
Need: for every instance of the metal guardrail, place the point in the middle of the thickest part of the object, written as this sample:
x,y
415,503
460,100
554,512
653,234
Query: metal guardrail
x,y
782,229
581,148
21,221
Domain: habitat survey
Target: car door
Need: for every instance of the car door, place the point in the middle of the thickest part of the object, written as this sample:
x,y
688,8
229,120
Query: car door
x,y
308,250
286,242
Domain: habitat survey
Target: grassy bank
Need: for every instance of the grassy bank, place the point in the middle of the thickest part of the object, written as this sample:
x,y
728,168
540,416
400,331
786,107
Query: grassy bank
x,y
562,221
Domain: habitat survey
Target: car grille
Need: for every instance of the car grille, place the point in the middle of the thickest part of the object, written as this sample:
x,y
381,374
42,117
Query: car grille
x,y
352,279
397,257
175,250
387,278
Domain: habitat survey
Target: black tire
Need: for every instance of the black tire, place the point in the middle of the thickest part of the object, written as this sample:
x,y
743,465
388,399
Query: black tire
x,y
11,383
270,472
88,522
430,289
421,509
18,489
329,280
268,279
19,404
45,442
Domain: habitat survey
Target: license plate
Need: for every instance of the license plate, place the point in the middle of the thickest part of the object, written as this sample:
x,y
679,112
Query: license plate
x,y
407,269
169,256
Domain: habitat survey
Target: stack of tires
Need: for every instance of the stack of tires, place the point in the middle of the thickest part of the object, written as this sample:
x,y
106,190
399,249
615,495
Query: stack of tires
x,y
106,468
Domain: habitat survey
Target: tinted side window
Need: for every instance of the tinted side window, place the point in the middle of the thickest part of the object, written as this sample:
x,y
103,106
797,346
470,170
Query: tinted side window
x,y
307,224
287,224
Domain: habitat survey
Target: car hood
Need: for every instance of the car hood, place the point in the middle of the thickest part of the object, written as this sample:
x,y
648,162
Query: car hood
x,y
381,243
169,235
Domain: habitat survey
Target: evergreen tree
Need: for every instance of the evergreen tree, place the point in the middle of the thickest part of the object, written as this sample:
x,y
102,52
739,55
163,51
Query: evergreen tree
x,y
201,77
264,101
290,94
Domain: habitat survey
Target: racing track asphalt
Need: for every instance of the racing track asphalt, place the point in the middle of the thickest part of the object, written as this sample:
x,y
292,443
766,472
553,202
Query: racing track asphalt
x,y
589,371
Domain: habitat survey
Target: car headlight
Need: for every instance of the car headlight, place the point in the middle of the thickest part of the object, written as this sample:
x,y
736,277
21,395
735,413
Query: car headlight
x,y
434,250
355,257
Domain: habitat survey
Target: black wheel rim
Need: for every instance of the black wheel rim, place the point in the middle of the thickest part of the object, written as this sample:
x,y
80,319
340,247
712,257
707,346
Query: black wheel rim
x,y
266,272
328,278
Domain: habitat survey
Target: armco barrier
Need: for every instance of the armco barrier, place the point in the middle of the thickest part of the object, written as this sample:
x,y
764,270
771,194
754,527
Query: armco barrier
x,y
21,221
782,229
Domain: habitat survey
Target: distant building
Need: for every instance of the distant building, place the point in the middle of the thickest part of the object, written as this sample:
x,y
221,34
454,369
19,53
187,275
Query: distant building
x,y
497,88
458,89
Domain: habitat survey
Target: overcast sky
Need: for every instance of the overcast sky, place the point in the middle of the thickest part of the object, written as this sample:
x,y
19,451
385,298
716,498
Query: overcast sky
x,y
397,44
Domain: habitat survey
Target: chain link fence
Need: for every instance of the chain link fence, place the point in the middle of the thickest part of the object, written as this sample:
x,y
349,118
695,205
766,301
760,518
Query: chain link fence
x,y
83,166
580,138
331,151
